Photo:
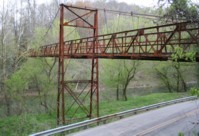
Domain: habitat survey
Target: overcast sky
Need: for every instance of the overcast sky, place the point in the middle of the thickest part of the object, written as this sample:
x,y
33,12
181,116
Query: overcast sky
x,y
146,3
150,3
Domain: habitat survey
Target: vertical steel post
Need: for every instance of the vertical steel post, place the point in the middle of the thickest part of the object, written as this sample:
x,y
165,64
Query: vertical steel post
x,y
61,71
97,62
94,70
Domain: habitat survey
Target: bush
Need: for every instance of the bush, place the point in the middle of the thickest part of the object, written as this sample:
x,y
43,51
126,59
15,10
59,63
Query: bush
x,y
194,91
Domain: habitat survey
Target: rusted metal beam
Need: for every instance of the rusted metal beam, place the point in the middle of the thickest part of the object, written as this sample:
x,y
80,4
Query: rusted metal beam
x,y
82,8
77,18
77,81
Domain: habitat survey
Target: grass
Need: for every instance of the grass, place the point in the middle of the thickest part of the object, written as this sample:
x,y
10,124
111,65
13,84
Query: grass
x,y
28,123
137,101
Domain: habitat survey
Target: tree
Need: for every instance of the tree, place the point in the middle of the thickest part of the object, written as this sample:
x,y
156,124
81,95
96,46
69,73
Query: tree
x,y
162,71
180,10
167,71
15,33
178,55
8,52
119,74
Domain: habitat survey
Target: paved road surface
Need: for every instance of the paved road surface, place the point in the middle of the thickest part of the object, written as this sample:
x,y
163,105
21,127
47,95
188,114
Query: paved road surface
x,y
166,121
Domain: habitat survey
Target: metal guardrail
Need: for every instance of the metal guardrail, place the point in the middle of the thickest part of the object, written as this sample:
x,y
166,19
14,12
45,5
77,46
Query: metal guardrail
x,y
103,119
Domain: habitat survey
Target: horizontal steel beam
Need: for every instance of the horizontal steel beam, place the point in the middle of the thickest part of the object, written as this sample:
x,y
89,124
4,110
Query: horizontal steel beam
x,y
119,115
77,81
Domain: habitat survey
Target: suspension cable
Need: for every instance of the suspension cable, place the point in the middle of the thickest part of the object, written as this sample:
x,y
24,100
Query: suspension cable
x,y
132,19
149,16
118,23
105,16
50,25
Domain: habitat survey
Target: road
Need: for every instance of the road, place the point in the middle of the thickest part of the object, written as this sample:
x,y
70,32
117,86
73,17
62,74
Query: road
x,y
166,121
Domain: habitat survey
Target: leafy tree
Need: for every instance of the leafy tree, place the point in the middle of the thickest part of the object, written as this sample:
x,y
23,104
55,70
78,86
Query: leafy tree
x,y
180,10
168,70
119,74
28,75
162,71
178,55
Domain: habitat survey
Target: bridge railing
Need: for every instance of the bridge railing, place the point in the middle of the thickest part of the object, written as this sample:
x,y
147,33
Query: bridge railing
x,y
104,119
153,41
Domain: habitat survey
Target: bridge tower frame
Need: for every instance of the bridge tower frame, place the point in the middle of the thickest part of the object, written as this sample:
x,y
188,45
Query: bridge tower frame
x,y
63,85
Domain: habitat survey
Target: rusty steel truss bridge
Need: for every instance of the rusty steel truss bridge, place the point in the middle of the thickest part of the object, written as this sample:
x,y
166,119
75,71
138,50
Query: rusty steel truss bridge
x,y
152,43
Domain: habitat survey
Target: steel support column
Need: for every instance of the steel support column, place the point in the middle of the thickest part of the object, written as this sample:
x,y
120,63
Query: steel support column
x,y
94,70
61,103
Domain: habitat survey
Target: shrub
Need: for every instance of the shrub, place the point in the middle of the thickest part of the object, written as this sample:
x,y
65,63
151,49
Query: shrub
x,y
194,91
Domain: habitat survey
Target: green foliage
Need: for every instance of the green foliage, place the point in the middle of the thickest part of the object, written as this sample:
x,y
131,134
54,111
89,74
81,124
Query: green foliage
x,y
163,71
181,134
137,101
194,91
109,78
174,75
190,56
181,9
16,83
26,124
180,54
35,76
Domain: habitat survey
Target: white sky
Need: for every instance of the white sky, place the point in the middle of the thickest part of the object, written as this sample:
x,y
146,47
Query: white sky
x,y
146,3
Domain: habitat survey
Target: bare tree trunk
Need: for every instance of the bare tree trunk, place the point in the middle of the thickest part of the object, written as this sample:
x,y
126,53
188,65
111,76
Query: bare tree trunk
x,y
178,82
117,93
130,75
180,78
8,105
124,91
